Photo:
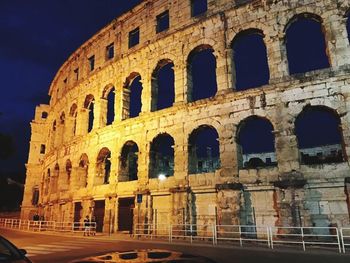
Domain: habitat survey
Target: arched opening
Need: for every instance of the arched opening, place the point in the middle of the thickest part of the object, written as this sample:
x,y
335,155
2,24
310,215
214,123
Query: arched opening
x,y
203,150
348,24
47,182
305,44
110,96
73,112
54,178
62,118
82,174
201,73
163,88
103,166
161,156
319,135
133,95
128,167
89,105
256,143
250,60
68,172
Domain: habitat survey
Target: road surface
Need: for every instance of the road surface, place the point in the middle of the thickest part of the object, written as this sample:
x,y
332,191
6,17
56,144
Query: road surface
x,y
44,248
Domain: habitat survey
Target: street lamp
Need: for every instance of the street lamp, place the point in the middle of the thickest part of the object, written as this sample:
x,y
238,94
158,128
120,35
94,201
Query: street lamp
x,y
161,177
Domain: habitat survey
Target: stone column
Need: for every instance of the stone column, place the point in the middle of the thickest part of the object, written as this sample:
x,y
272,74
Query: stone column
x,y
179,85
276,57
98,114
181,163
102,120
286,145
336,39
82,122
223,63
146,96
228,153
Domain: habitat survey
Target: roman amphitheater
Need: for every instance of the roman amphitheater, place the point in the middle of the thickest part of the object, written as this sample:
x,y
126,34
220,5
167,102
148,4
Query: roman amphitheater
x,y
117,143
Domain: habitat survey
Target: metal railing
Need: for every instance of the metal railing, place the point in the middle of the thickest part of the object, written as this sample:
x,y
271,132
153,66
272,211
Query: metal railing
x,y
304,236
344,233
272,236
40,226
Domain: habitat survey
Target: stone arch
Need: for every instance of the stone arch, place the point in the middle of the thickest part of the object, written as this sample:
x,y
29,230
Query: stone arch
x,y
202,54
161,156
203,150
109,96
73,113
83,170
249,57
317,147
128,162
132,94
103,166
255,143
163,85
305,43
89,105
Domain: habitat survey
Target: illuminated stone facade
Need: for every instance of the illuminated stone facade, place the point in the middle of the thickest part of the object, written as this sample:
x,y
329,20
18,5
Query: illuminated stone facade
x,y
68,158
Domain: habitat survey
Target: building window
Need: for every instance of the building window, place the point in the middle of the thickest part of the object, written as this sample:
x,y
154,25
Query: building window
x,y
110,51
162,21
92,63
134,37
198,7
44,115
65,81
76,73
42,148
35,196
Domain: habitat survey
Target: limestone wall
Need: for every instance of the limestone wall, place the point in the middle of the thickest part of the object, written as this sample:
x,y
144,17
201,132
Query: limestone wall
x,y
288,194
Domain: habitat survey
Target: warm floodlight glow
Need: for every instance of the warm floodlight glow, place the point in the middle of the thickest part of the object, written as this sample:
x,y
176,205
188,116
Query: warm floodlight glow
x,y
161,177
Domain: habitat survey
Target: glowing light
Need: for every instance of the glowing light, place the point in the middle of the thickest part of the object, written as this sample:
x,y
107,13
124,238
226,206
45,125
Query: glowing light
x,y
162,177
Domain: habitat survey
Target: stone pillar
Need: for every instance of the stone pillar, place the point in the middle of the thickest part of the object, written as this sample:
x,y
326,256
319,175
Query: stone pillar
x,y
142,163
287,157
223,63
179,85
82,122
146,96
336,39
102,121
69,129
181,163
228,207
125,103
228,153
109,220
98,114
276,57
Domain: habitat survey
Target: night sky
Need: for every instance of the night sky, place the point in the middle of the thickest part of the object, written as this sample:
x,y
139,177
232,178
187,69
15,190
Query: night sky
x,y
37,36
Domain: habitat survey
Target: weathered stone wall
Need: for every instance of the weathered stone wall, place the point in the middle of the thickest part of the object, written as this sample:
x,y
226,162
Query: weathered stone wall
x,y
289,194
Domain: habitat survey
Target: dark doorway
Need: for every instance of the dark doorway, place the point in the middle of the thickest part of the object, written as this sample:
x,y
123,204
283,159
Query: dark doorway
x,y
99,213
78,209
125,214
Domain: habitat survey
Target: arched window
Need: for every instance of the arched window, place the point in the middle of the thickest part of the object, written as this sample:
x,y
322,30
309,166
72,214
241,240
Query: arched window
x,y
73,112
62,118
110,96
256,143
250,60
305,44
163,89
319,136
55,178
203,150
35,195
201,73
128,162
133,95
47,182
68,171
82,174
89,105
103,166
161,156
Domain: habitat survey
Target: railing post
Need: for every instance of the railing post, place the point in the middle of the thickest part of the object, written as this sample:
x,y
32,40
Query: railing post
x,y
213,229
342,239
191,233
240,235
28,225
271,237
302,237
170,233
339,245
268,236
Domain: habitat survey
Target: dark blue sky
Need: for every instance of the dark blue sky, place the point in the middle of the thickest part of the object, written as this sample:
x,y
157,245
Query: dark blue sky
x,y
37,36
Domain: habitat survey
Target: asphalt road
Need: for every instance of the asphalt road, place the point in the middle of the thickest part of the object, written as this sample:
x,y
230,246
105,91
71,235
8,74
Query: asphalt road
x,y
44,248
